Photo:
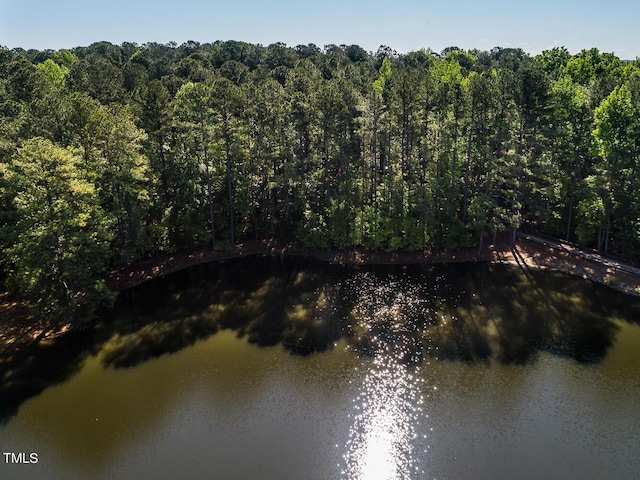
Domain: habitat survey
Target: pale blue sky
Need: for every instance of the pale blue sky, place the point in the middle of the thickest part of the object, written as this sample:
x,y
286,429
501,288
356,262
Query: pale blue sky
x,y
611,26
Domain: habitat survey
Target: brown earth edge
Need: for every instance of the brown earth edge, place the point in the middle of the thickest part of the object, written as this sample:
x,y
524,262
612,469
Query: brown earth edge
x,y
17,331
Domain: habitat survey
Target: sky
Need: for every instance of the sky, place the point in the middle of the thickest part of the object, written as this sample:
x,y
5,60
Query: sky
x,y
403,25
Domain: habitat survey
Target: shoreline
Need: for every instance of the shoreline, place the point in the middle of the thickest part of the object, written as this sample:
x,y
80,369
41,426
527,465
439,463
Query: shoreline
x,y
527,253
127,277
19,332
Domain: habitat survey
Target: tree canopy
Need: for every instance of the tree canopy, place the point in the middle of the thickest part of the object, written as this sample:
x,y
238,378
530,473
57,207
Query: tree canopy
x,y
111,153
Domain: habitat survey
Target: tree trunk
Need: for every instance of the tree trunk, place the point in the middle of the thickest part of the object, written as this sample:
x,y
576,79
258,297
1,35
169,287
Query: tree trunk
x,y
454,164
374,159
481,241
227,145
465,205
600,240
209,195
327,172
572,195
163,175
606,235
403,142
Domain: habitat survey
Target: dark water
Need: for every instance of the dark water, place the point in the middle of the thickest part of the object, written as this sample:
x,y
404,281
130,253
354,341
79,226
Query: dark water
x,y
292,369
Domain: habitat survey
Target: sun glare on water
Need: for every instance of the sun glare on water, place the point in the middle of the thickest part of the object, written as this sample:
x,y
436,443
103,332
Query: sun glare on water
x,y
383,442
384,439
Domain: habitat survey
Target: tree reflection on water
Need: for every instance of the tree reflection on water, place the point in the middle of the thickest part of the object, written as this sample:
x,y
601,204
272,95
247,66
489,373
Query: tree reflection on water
x,y
464,313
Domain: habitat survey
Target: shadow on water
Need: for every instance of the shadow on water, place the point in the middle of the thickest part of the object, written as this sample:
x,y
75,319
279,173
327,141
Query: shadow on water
x,y
294,307
28,372
466,313
525,313
486,313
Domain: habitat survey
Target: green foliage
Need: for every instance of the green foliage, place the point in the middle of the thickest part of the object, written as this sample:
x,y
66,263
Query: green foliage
x,y
369,229
124,175
554,61
56,74
64,58
157,148
591,212
98,77
312,230
612,121
383,77
589,65
61,235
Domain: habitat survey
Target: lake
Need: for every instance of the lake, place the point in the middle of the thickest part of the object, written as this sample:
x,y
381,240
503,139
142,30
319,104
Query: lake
x,y
289,368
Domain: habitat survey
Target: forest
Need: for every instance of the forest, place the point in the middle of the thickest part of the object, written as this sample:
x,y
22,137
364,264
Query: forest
x,y
114,153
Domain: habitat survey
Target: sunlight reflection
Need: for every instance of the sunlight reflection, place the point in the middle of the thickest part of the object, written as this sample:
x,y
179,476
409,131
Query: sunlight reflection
x,y
378,456
383,443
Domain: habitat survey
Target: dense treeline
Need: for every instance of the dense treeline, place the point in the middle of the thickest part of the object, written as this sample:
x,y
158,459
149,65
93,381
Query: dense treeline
x,y
110,153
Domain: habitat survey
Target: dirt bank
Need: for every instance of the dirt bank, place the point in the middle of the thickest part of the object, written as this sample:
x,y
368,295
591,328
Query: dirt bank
x,y
529,251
